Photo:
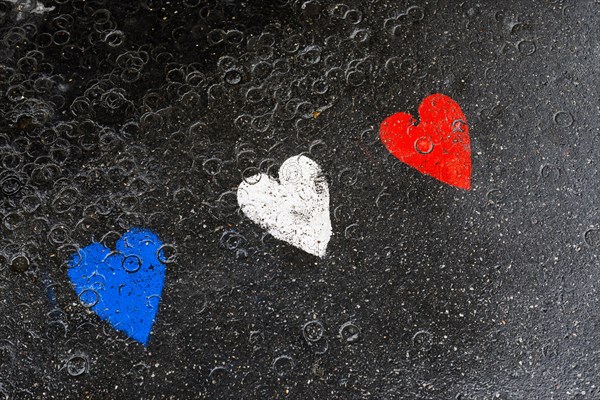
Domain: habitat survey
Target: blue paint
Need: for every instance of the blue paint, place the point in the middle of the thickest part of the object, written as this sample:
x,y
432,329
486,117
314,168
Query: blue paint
x,y
50,294
124,286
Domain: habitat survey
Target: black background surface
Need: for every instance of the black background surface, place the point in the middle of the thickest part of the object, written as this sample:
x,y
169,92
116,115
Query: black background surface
x,y
119,114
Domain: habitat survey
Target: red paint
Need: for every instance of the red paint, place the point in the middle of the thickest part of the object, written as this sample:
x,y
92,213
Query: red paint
x,y
439,146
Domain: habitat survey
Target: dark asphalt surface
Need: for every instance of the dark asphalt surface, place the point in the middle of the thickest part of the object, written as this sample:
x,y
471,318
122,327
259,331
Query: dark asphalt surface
x,y
116,115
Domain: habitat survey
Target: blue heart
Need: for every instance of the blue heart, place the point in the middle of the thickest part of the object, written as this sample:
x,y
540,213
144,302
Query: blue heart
x,y
123,286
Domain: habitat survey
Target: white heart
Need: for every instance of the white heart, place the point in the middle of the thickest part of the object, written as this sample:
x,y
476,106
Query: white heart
x,y
295,209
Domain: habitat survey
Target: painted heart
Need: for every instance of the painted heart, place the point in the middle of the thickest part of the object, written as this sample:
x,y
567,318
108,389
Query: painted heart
x,y
295,209
124,286
439,146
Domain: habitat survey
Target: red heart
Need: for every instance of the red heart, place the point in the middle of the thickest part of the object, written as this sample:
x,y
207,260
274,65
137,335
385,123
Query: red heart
x,y
439,146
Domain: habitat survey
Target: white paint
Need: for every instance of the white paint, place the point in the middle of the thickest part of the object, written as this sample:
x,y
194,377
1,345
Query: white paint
x,y
295,209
